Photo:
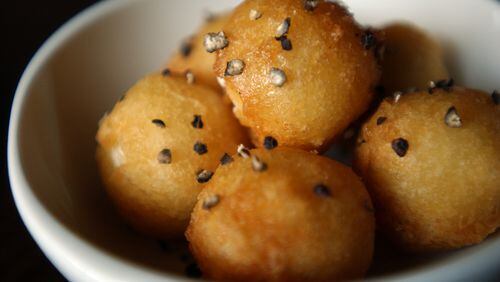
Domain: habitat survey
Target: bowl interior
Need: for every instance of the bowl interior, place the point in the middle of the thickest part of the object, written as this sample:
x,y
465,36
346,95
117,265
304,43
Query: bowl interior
x,y
81,72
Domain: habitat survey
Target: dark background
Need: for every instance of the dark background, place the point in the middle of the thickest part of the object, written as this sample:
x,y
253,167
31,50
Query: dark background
x,y
25,25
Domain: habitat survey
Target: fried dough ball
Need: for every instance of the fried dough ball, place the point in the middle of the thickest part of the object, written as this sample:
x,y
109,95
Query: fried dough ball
x,y
192,55
282,215
430,162
411,58
296,72
158,146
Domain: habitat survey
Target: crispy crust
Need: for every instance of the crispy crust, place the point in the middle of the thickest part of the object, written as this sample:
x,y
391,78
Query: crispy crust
x,y
444,193
330,76
157,198
271,226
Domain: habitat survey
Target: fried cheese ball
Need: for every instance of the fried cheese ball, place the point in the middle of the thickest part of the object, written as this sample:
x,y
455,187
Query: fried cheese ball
x,y
431,164
297,71
282,215
411,59
192,55
157,148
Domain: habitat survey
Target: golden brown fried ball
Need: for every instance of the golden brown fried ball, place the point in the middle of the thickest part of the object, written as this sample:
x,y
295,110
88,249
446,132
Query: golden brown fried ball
x,y
147,155
431,164
288,215
411,58
299,75
192,55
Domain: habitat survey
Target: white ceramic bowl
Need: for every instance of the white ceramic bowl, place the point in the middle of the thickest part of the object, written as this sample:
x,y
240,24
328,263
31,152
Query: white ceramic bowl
x,y
86,65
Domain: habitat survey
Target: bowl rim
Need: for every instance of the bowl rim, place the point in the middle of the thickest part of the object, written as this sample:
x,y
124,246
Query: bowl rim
x,y
39,222
43,226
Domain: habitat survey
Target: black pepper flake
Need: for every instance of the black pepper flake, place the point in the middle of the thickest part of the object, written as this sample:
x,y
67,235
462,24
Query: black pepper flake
x,y
397,96
258,165
214,41
445,84
310,5
165,156
193,271
203,176
270,143
190,77
234,67
495,96
166,72
200,148
432,86
197,122
286,44
368,40
210,202
226,159
400,146
322,190
254,14
186,49
243,151
159,123
452,119
381,120
277,77
283,28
